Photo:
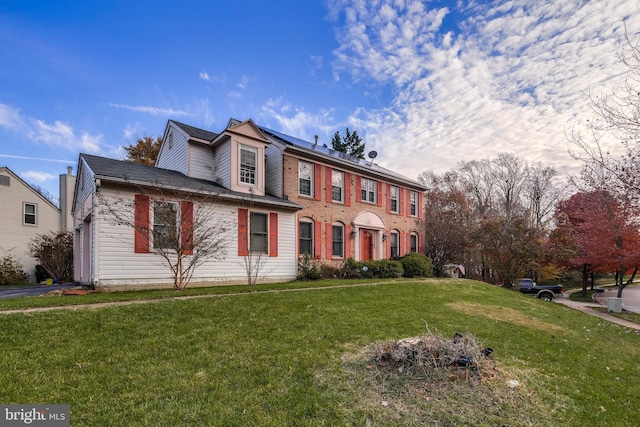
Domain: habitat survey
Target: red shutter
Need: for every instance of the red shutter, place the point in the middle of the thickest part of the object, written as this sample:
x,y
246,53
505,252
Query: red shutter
x,y
401,243
317,181
141,233
329,240
317,239
328,183
243,232
186,226
388,234
408,249
408,202
380,194
347,188
401,202
388,198
419,243
273,234
420,210
347,241
358,188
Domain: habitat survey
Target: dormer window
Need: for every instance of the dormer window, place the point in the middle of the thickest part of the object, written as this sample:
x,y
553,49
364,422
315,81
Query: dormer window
x,y
248,164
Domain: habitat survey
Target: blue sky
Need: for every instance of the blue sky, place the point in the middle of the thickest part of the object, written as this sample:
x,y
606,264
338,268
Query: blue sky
x,y
425,83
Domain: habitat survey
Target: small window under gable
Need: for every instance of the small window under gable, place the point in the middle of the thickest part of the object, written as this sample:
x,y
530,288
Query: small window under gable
x,y
5,180
248,164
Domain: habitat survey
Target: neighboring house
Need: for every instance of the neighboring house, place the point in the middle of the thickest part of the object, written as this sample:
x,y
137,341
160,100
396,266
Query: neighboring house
x,y
25,213
294,196
228,168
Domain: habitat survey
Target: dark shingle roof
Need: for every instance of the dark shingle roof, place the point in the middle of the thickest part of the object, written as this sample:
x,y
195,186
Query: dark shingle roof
x,y
196,132
150,176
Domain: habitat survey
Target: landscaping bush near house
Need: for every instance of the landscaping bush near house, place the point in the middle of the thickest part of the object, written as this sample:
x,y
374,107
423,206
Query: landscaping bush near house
x,y
380,269
11,272
416,265
308,269
41,274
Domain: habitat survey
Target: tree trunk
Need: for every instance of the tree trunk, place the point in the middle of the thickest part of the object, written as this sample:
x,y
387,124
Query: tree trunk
x,y
630,281
585,279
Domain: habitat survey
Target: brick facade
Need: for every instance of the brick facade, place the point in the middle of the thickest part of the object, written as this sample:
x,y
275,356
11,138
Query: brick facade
x,y
361,219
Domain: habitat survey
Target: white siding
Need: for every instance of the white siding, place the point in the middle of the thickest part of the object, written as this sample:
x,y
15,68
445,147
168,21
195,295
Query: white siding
x,y
173,155
223,164
274,170
201,162
119,267
14,234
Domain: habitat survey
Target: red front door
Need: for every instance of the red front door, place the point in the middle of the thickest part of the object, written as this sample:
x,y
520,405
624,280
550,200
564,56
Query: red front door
x,y
366,237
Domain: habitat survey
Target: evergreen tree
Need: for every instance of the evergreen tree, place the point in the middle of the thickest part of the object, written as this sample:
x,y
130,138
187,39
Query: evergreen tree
x,y
351,144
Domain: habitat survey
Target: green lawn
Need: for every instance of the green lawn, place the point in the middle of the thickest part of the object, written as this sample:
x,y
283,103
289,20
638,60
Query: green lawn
x,y
297,358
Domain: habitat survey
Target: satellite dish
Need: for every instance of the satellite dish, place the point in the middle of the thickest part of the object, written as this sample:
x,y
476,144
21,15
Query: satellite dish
x,y
372,155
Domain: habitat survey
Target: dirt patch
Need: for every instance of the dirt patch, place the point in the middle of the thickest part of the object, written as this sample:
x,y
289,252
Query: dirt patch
x,y
504,314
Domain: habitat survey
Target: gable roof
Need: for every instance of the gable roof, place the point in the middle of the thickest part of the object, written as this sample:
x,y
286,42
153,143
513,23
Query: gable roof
x,y
25,184
129,173
195,132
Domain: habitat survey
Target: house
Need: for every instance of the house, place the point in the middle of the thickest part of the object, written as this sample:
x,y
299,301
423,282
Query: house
x,y
283,196
25,213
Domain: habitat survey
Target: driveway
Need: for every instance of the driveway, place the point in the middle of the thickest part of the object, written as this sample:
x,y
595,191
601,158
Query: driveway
x,y
630,297
35,290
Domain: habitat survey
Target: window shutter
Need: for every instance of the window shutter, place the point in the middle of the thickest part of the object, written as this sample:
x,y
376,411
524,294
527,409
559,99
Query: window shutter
x,y
400,203
186,226
401,243
388,233
141,212
328,240
358,188
243,232
329,184
347,241
420,211
347,188
317,239
380,194
317,181
388,198
408,248
273,234
408,208
419,248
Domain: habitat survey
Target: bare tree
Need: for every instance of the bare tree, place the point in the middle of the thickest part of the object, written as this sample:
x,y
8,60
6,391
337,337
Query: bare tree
x,y
54,252
253,264
186,230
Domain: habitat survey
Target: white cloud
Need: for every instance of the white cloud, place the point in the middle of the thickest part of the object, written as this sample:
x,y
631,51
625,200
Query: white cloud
x,y
204,76
35,176
154,111
58,134
510,76
294,121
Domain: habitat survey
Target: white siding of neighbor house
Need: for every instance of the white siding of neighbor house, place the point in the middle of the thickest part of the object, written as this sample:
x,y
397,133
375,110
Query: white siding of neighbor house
x,y
223,164
14,234
84,225
201,162
173,156
273,169
119,267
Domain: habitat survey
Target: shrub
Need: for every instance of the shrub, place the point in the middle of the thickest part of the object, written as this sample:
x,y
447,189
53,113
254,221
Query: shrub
x,y
380,269
308,269
41,274
54,251
11,272
416,265
328,271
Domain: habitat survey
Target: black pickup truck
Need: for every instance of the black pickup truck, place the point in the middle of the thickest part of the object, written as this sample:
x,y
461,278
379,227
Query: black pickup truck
x,y
546,293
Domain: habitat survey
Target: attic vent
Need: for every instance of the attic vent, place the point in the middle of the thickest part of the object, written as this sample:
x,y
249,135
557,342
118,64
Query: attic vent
x,y
5,180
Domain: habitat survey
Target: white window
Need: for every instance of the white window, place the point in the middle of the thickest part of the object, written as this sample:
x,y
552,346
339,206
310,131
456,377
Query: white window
x,y
394,199
306,238
29,214
165,217
305,178
414,203
337,186
337,240
258,238
394,244
369,190
248,164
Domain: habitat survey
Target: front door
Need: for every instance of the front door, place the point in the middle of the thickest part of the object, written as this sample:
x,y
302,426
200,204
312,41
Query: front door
x,y
366,237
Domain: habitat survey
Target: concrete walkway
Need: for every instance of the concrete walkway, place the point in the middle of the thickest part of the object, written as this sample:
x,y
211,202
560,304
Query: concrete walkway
x,y
588,307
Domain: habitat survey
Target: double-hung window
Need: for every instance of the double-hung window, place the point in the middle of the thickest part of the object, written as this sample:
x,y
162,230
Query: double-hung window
x,y
369,190
29,214
414,242
394,199
258,238
337,186
394,244
337,239
414,203
306,238
305,178
165,217
248,164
